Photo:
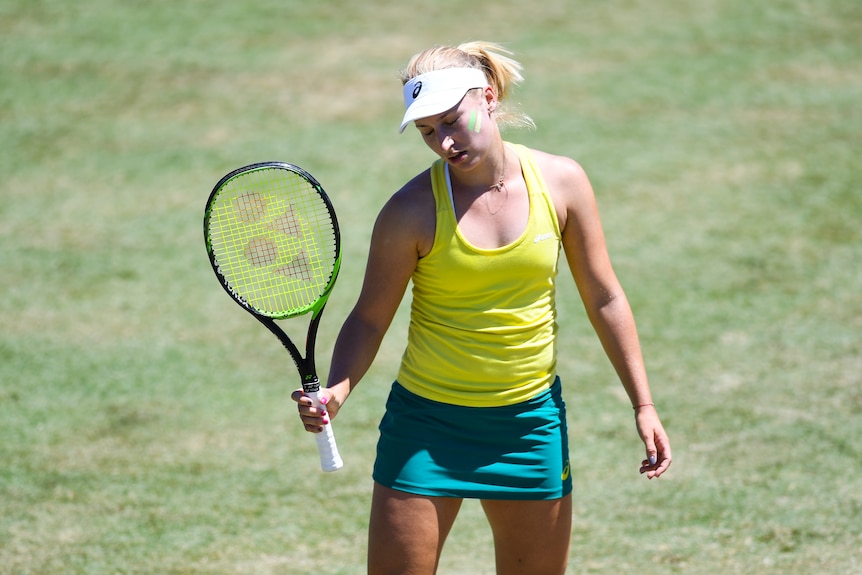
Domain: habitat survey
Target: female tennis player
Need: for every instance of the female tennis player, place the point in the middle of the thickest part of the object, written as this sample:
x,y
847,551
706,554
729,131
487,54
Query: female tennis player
x,y
476,410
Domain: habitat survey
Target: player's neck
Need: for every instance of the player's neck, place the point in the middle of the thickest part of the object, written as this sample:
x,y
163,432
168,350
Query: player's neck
x,y
490,173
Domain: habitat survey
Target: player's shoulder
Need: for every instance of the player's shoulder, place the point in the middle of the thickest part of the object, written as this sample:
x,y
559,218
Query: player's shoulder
x,y
413,197
416,188
557,168
567,184
411,211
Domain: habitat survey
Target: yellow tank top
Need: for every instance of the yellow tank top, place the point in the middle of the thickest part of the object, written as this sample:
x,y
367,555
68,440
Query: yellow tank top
x,y
483,321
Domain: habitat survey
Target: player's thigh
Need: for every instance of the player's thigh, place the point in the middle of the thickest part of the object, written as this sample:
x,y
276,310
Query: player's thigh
x,y
406,531
531,537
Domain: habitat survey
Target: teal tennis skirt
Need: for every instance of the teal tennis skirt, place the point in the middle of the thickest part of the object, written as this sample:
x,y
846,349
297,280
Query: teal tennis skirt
x,y
515,452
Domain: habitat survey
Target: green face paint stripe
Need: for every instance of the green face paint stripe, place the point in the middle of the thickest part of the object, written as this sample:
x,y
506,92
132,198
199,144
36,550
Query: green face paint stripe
x,y
478,122
472,125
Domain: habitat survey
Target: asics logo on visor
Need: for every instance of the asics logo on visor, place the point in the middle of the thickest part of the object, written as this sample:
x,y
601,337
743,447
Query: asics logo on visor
x,y
417,89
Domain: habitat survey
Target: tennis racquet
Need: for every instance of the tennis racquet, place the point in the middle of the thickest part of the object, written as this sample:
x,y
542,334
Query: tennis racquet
x,y
273,242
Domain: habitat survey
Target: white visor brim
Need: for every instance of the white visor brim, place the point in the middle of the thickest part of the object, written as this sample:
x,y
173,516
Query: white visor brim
x,y
435,92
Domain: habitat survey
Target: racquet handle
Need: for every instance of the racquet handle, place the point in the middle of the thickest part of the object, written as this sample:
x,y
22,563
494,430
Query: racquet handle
x,y
330,459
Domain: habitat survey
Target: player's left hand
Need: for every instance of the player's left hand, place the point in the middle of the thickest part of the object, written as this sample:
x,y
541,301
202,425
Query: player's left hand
x,y
655,439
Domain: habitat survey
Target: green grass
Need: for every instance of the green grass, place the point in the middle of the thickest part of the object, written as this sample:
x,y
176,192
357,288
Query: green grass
x,y
145,424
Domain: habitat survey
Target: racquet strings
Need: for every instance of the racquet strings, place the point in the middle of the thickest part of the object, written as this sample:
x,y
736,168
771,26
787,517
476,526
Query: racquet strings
x,y
273,240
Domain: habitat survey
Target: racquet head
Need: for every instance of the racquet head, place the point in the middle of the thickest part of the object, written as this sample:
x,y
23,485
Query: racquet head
x,y
273,239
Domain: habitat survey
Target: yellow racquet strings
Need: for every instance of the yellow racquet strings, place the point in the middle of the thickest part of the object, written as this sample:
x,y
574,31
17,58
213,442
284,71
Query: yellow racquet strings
x,y
273,240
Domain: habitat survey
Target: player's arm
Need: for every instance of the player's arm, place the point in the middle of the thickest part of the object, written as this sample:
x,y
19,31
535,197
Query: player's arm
x,y
392,259
605,301
399,234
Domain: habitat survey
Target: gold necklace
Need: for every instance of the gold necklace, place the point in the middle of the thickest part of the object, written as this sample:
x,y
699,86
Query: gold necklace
x,y
499,186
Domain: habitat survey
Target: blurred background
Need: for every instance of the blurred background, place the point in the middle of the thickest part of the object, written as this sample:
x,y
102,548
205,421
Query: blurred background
x,y
145,419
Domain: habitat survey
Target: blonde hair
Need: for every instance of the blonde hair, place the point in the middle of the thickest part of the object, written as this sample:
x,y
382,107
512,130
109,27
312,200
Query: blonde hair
x,y
502,72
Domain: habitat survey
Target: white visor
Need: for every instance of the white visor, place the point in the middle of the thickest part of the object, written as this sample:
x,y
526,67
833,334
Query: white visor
x,y
435,92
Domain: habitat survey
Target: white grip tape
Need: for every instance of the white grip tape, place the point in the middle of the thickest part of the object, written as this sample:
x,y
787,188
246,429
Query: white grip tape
x,y
330,459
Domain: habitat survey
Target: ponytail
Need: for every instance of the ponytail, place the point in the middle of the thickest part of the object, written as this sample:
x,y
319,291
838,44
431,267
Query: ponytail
x,y
503,73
